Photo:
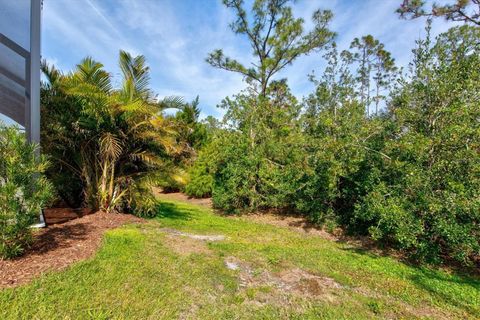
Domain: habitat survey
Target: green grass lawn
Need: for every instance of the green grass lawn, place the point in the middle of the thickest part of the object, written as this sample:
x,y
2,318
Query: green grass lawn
x,y
145,272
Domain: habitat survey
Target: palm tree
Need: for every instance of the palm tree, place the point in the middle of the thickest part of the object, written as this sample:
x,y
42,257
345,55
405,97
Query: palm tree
x,y
121,137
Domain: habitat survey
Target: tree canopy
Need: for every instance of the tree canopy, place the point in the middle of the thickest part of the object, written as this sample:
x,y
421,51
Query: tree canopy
x,y
276,37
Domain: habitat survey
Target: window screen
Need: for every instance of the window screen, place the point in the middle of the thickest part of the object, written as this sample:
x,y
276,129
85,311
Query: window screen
x,y
15,73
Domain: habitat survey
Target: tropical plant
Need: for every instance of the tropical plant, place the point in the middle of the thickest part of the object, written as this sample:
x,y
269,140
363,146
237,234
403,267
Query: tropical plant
x,y
116,140
24,190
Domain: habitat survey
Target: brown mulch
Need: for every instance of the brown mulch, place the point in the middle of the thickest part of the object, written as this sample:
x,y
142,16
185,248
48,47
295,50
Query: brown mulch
x,y
295,223
58,246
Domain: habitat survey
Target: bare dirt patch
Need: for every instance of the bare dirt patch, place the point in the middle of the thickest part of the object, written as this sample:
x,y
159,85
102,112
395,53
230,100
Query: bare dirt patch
x,y
296,223
294,281
184,243
185,246
300,283
194,236
307,283
58,246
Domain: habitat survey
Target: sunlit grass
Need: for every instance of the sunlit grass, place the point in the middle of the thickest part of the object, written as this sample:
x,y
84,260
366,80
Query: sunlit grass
x,y
137,275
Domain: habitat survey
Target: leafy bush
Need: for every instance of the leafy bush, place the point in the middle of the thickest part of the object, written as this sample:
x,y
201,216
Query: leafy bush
x,y
172,178
234,184
24,191
408,177
260,158
201,178
426,199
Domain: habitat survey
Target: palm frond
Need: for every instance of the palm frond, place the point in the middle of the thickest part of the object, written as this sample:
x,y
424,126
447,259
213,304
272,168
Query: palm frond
x,y
52,74
111,146
171,102
92,72
149,158
136,76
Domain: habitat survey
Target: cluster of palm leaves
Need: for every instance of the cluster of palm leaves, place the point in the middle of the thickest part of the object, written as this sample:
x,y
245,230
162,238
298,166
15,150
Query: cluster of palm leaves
x,y
107,144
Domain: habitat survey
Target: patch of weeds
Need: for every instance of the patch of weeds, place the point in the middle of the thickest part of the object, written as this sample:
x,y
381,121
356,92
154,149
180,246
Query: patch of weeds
x,y
330,226
375,306
273,260
257,272
251,293
99,314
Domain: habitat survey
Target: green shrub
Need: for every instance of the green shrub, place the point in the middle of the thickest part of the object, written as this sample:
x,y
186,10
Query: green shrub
x,y
23,190
426,199
234,188
201,178
260,158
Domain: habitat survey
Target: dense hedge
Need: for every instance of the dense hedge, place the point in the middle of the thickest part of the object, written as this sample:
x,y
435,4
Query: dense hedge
x,y
408,177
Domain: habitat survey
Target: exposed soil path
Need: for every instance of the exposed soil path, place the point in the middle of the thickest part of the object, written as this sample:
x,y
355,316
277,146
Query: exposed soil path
x,y
58,246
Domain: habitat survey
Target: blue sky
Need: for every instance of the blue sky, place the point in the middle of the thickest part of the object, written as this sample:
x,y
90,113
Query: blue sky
x,y
176,36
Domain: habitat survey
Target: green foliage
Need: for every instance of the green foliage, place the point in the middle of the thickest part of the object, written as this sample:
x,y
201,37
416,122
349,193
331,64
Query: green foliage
x,y
235,183
427,197
192,133
467,11
259,161
338,134
191,136
201,174
106,143
173,178
24,190
409,176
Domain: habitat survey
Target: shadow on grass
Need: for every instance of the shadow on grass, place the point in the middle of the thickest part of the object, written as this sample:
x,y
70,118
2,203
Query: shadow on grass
x,y
172,211
429,279
461,285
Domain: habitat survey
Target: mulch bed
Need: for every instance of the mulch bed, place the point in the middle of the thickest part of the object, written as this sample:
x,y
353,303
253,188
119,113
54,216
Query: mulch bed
x,y
58,246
